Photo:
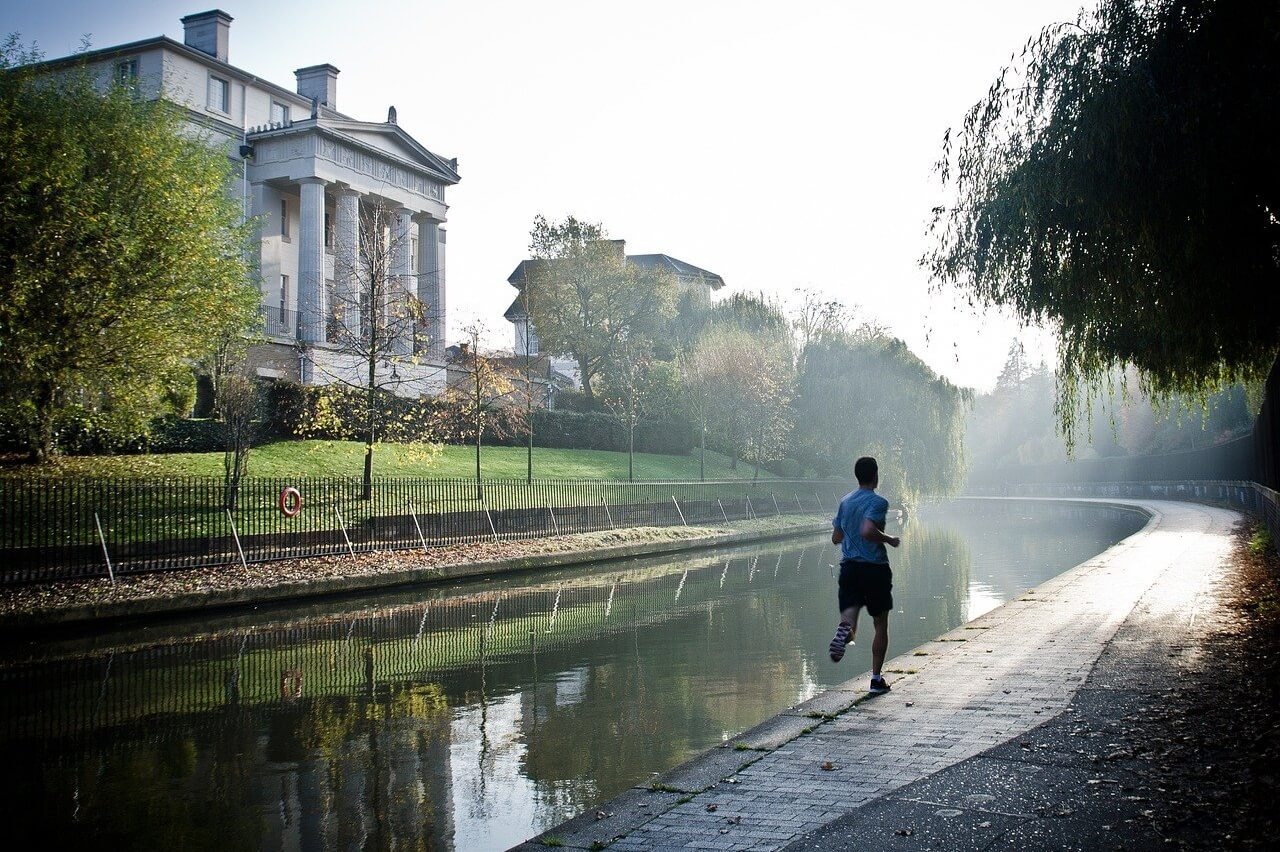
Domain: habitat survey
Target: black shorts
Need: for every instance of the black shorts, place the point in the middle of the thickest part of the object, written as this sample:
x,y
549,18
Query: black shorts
x,y
868,584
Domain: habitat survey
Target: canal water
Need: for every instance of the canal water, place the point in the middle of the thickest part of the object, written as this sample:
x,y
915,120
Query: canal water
x,y
475,715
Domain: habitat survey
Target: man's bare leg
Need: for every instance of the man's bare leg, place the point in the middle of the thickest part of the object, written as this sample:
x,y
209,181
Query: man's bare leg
x,y
879,644
850,616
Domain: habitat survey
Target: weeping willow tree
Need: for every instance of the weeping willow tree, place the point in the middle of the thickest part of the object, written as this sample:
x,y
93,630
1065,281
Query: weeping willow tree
x,y
1118,184
867,394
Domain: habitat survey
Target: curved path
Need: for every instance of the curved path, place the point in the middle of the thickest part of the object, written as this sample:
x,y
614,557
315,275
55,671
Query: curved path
x,y
970,690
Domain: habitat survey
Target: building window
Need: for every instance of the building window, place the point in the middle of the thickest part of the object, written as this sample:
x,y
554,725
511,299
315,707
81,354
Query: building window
x,y
219,94
279,113
284,297
127,72
284,218
413,255
328,231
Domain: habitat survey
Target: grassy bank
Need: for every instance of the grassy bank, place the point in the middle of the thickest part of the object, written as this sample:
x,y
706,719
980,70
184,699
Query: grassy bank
x,y
346,458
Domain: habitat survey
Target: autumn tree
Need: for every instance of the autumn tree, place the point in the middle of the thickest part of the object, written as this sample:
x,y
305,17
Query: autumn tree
x,y
377,326
122,255
1116,183
482,401
637,386
587,298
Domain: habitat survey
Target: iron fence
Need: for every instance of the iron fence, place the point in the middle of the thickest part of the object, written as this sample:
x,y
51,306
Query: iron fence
x,y
56,529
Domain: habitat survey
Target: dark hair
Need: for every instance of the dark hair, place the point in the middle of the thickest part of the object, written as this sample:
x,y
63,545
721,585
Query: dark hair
x,y
866,470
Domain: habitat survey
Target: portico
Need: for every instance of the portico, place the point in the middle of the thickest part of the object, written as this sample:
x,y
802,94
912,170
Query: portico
x,y
349,209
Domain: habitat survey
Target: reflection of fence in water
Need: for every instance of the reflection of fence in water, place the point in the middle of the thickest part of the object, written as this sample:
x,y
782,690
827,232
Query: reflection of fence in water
x,y
48,529
350,654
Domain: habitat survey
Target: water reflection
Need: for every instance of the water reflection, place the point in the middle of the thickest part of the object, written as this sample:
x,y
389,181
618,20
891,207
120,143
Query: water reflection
x,y
470,716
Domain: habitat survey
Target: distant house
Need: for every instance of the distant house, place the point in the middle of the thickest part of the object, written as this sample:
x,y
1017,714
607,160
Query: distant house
x,y
696,286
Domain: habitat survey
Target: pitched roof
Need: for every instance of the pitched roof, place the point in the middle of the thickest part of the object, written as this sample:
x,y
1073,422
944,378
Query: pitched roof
x,y
646,261
677,267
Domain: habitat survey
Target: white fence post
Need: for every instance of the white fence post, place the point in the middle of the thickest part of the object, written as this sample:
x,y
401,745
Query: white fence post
x,y
345,537
607,513
492,528
555,526
677,502
723,513
417,525
234,534
107,556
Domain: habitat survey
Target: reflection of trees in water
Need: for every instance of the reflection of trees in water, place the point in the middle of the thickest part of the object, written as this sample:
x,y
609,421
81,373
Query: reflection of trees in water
x,y
336,730
933,573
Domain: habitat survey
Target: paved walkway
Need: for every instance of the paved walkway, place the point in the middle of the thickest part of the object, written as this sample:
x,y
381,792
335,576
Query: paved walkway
x,y
959,696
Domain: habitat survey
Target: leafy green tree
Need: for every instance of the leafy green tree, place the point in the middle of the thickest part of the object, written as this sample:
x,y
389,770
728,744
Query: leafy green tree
x,y
869,395
1117,184
588,299
122,255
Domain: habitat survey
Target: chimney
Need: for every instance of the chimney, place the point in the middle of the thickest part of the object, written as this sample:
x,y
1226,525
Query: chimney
x,y
319,83
208,32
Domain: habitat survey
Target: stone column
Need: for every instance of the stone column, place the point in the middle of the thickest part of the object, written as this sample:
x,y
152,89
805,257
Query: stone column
x,y
402,279
346,258
429,290
313,311
441,293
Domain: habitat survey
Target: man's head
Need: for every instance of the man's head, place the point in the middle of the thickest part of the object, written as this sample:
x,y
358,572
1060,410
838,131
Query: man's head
x,y
867,471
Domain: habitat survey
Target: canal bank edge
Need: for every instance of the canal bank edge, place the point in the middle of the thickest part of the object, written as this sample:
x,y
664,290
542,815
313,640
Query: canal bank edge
x,y
225,599
646,803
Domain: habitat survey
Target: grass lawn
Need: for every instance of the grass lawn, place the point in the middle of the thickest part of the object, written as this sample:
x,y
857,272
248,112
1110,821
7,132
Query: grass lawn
x,y
346,458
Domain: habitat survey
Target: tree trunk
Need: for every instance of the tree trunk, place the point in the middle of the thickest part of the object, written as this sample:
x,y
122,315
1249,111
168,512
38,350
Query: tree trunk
x,y
631,453
759,452
702,460
44,448
370,434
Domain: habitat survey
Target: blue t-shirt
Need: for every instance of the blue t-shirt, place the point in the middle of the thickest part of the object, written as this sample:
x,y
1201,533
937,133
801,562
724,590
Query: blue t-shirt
x,y
856,506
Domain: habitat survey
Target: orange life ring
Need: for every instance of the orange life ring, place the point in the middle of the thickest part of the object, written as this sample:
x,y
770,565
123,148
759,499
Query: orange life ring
x,y
291,683
290,502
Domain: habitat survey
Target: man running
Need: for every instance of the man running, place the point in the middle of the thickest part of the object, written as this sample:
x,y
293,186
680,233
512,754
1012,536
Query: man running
x,y
865,576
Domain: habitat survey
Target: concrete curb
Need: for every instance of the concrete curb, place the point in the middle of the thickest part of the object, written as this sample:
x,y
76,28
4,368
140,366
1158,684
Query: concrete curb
x,y
232,598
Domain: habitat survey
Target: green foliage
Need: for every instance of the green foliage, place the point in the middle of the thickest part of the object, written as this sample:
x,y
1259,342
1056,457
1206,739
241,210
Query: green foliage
x,y
871,396
1015,423
1261,543
740,382
122,256
585,300
1116,185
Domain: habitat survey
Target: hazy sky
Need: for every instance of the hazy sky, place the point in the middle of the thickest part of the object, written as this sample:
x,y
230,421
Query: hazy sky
x,y
781,145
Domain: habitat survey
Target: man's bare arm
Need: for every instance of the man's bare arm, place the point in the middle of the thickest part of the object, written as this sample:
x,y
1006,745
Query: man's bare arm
x,y
873,533
837,535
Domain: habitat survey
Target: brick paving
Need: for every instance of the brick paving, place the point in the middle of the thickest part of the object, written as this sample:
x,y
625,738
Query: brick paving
x,y
973,689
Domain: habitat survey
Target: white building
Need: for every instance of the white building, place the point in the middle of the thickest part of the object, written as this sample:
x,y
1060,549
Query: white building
x,y
308,171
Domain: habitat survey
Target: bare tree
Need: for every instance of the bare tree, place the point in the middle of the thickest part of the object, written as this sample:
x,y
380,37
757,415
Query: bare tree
x,y
483,401
238,410
376,324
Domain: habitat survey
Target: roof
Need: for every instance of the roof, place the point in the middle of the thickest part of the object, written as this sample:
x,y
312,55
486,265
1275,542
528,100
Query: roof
x,y
646,261
331,118
516,311
677,267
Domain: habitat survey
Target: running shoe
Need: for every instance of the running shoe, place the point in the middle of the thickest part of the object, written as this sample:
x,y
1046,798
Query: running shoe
x,y
843,637
879,685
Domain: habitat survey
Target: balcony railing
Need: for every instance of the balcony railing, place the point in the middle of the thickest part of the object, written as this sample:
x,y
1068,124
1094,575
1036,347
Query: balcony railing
x,y
278,322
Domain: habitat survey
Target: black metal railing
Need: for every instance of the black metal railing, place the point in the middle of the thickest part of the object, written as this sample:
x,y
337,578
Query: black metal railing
x,y
52,529
278,322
